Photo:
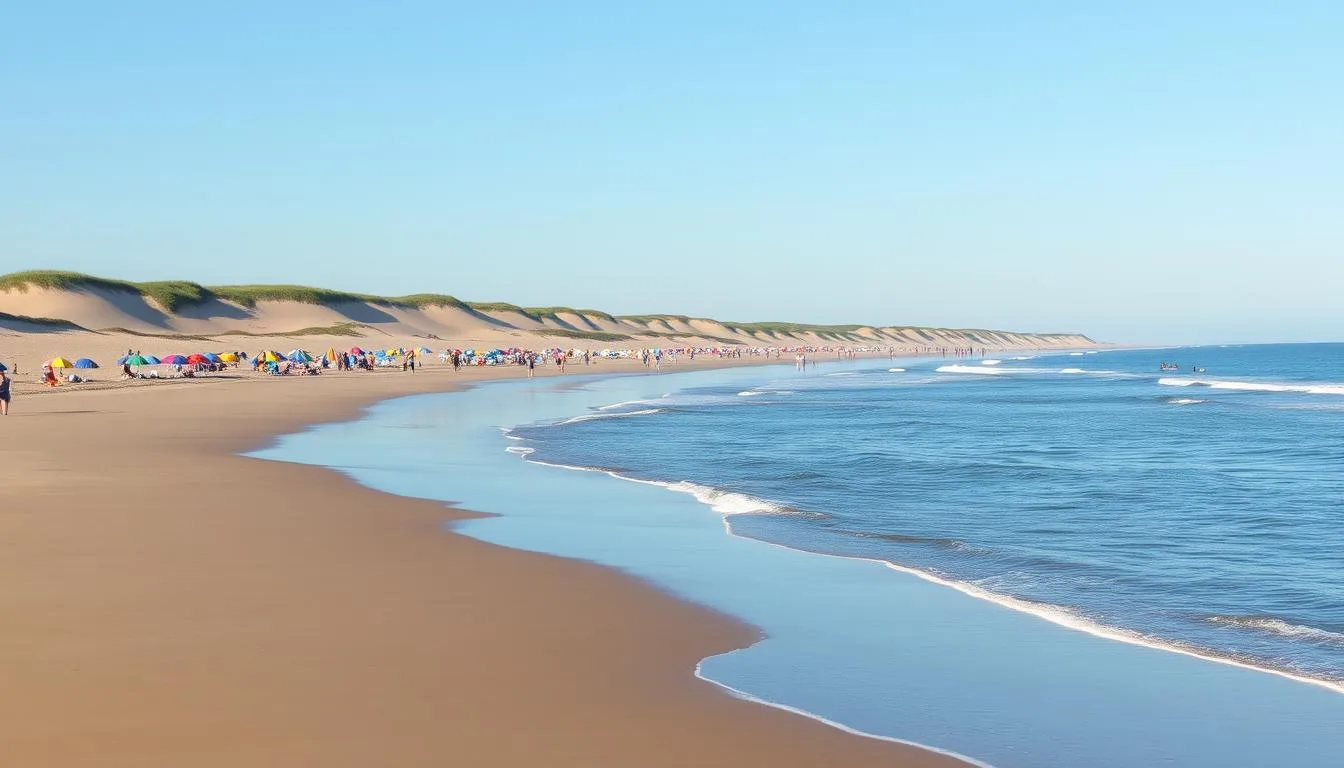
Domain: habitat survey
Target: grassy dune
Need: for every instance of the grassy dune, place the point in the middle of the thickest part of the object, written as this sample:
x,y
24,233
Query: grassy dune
x,y
175,295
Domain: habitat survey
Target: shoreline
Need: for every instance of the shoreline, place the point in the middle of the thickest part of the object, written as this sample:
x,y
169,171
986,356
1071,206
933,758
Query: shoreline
x,y
145,648
593,528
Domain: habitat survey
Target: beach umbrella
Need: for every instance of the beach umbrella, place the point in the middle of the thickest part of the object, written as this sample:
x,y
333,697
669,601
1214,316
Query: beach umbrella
x,y
269,356
173,360
425,350
197,359
135,360
3,367
212,357
331,355
150,360
60,362
299,356
356,351
121,360
228,357
85,362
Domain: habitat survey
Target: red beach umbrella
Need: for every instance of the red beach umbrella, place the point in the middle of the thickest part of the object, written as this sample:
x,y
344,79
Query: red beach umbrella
x,y
197,359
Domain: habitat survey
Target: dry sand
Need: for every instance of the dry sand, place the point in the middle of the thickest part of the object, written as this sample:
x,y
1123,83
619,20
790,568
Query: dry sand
x,y
166,602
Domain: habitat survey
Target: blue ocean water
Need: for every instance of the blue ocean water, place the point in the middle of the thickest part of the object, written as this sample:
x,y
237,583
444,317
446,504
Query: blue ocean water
x,y
1028,560
1204,511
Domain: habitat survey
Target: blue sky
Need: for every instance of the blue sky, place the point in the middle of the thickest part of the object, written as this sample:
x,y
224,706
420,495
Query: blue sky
x,y
1141,171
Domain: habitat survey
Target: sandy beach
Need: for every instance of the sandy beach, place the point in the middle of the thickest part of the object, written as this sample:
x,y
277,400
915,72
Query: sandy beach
x,y
168,602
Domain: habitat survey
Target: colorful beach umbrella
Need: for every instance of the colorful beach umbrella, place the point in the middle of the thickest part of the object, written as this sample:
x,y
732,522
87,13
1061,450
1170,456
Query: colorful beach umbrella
x,y
3,367
270,356
212,357
150,360
173,360
135,360
299,356
356,351
331,355
197,359
60,362
85,362
228,357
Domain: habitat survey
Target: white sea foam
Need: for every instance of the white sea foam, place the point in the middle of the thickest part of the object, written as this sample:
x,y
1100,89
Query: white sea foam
x,y
1255,386
1075,354
1022,358
990,362
1071,620
622,414
969,369
1073,370
521,450
1093,352
749,393
614,406
1186,401
1279,627
895,370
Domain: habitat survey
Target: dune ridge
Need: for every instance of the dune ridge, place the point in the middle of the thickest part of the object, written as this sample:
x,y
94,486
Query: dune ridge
x,y
68,301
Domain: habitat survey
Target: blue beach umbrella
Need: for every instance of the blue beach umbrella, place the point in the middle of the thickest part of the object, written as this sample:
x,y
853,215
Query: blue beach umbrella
x,y
85,362
122,360
173,360
3,367
211,356
150,360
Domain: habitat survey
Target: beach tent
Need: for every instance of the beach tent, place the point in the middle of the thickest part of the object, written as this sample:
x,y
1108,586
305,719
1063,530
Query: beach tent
x,y
173,360
85,362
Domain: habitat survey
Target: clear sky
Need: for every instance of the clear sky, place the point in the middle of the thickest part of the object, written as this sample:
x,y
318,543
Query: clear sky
x,y
1141,171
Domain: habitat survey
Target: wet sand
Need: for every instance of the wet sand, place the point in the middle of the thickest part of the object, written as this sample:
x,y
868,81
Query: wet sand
x,y
166,602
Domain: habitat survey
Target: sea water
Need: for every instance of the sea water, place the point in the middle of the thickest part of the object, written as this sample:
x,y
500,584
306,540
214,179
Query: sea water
x,y
1044,560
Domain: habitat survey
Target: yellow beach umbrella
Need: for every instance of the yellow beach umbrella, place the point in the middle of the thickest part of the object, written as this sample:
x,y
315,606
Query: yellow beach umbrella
x,y
228,357
271,356
330,354
393,351
60,362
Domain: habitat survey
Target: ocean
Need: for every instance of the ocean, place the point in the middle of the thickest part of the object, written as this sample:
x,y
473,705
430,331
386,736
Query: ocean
x,y
1031,560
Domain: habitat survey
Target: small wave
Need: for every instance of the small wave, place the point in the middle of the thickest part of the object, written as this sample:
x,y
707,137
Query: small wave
x,y
1022,358
1073,370
895,370
614,406
521,450
1186,401
1279,627
968,370
990,362
844,373
1255,386
594,416
1075,354
1090,353
1071,619
749,393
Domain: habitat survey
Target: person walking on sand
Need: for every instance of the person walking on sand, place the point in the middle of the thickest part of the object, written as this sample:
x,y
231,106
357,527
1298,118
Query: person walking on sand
x,y
4,392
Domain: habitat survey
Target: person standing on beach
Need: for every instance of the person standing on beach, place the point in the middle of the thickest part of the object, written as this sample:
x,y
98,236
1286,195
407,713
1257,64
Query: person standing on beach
x,y
4,392
531,366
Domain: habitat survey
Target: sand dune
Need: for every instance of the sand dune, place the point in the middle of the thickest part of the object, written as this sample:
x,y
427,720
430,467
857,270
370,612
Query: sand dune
x,y
46,314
